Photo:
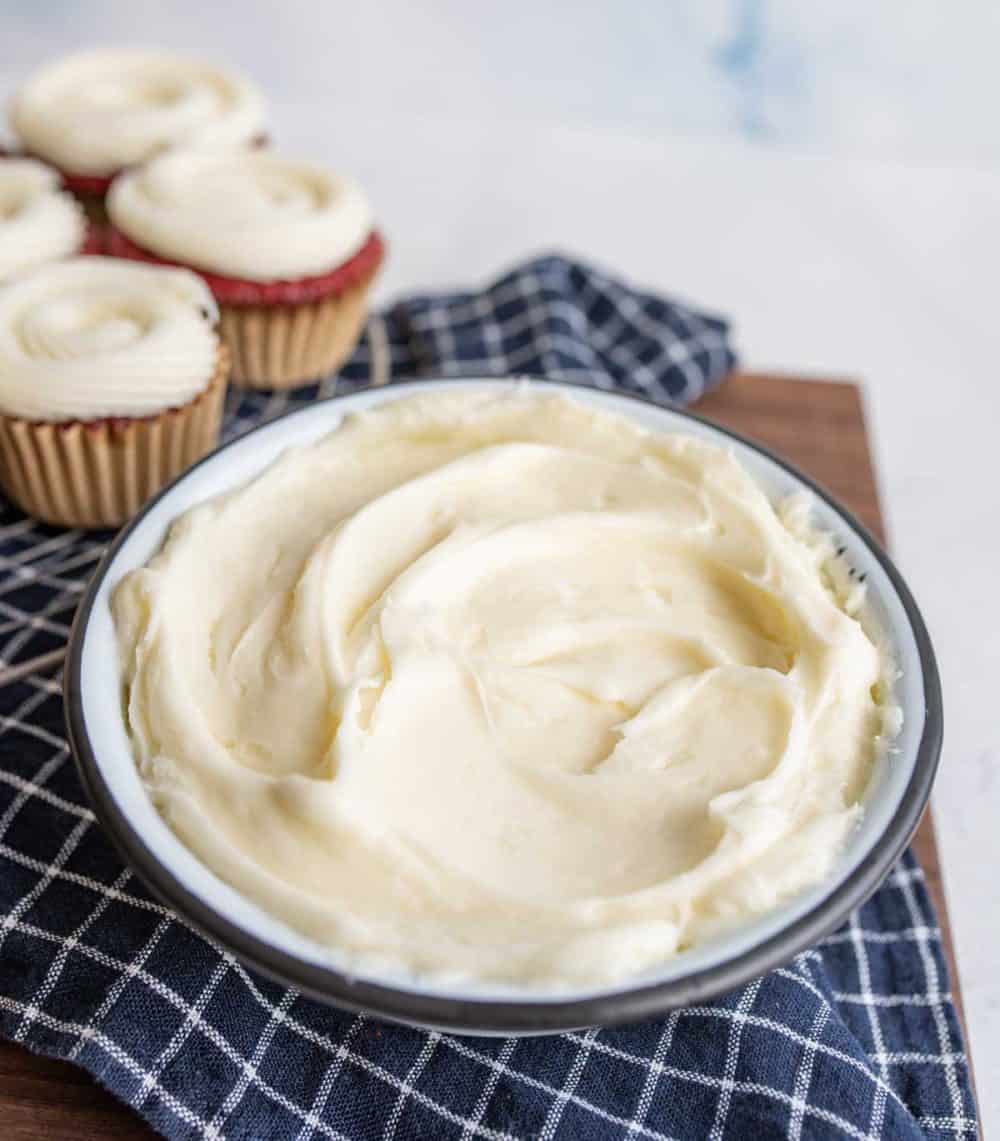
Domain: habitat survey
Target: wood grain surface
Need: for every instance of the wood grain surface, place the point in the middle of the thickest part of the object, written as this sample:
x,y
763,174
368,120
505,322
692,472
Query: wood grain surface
x,y
816,424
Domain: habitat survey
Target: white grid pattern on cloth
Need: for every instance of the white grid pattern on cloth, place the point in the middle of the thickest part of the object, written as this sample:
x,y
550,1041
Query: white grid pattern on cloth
x,y
56,967
666,352
937,1001
118,962
489,1087
407,1087
736,1024
653,1073
329,1078
864,973
803,1076
126,975
568,1088
192,1015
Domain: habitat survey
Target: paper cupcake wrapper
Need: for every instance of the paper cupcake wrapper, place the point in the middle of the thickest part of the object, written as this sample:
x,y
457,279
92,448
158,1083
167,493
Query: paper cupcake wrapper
x,y
98,473
281,346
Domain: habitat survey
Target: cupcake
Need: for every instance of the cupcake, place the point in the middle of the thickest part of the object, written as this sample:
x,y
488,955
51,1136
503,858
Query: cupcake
x,y
94,113
288,248
111,384
38,221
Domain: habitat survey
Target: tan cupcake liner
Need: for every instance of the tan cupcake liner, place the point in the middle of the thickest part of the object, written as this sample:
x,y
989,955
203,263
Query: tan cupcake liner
x,y
281,346
99,473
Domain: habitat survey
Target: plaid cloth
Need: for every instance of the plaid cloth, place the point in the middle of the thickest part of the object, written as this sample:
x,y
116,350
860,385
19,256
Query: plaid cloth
x,y
855,1038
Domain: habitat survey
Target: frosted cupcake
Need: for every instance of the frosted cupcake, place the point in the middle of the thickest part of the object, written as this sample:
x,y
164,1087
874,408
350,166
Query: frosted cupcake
x,y
288,248
39,222
111,384
94,113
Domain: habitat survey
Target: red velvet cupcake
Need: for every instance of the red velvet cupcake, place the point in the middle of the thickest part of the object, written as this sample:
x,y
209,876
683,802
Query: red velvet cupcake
x,y
92,114
112,379
288,249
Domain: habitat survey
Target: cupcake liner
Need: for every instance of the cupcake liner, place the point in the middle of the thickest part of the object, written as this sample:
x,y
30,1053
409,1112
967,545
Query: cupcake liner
x,y
284,345
97,473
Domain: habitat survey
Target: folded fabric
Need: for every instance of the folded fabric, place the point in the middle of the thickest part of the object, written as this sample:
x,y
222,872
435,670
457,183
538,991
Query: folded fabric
x,y
857,1037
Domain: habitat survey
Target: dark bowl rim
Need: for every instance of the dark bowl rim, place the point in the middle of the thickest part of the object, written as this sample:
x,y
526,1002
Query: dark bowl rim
x,y
468,1014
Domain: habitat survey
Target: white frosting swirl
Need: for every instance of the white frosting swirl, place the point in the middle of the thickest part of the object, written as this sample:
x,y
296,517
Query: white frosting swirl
x,y
247,214
518,691
93,337
96,112
38,221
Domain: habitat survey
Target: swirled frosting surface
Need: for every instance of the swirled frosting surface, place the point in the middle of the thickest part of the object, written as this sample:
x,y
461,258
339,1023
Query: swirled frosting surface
x,y
95,112
93,337
517,692
38,221
249,214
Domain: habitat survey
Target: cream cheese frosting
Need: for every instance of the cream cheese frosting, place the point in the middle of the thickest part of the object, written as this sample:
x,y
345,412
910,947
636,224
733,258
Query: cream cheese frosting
x,y
93,113
39,222
93,337
518,692
254,215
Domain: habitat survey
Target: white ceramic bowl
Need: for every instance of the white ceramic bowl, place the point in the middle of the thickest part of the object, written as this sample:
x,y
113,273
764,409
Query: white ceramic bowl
x,y
894,800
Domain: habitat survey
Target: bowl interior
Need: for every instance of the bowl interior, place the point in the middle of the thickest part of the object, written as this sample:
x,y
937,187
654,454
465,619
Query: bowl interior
x,y
101,715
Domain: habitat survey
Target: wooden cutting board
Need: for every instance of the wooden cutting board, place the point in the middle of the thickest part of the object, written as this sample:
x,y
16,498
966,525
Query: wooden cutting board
x,y
817,425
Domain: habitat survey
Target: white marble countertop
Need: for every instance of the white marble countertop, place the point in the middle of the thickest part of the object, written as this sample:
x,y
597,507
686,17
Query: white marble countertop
x,y
878,270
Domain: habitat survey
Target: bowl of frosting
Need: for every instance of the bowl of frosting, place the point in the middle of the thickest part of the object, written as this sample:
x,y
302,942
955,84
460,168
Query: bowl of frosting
x,y
503,706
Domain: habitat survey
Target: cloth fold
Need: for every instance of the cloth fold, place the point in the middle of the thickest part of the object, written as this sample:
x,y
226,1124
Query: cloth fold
x,y
857,1037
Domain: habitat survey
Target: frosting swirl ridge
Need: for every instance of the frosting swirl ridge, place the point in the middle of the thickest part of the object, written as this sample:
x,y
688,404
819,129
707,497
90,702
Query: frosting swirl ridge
x,y
249,214
94,337
517,692
93,113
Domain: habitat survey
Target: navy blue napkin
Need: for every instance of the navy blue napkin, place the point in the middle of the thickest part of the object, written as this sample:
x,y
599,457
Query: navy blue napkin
x,y
856,1038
